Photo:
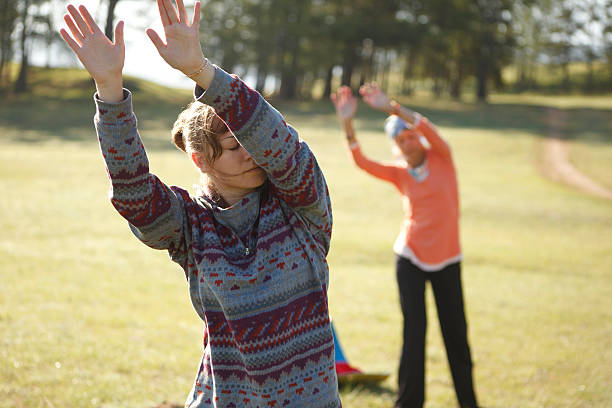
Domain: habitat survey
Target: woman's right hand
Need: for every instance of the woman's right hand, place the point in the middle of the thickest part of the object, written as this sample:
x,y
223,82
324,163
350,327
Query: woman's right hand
x,y
373,96
102,58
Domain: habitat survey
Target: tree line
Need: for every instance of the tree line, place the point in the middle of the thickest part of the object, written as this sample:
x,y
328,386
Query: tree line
x,y
302,44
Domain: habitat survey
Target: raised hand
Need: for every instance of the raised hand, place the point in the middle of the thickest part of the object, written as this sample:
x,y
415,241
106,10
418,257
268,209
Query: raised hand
x,y
373,96
182,49
345,103
102,58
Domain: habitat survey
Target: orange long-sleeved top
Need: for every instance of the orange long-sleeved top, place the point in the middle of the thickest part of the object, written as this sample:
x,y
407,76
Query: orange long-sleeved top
x,y
429,236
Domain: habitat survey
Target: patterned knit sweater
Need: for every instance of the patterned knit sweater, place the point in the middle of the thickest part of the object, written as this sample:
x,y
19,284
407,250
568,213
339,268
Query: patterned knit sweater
x,y
257,271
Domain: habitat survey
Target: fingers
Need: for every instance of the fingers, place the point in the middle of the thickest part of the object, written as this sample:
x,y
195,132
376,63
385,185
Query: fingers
x,y
345,92
181,11
366,89
78,36
162,13
78,19
156,40
71,43
89,19
170,11
342,95
119,33
369,86
196,15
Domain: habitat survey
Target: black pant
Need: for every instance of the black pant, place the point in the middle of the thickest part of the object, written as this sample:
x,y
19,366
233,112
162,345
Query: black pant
x,y
446,285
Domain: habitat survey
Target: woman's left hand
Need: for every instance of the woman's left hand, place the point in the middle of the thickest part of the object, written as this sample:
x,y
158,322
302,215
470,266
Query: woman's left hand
x,y
345,103
182,49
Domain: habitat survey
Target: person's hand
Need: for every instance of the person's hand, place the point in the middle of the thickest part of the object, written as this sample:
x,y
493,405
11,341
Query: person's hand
x,y
102,58
182,49
345,103
373,96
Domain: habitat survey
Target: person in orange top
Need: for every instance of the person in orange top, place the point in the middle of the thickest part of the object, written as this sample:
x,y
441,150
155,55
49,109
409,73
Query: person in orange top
x,y
427,247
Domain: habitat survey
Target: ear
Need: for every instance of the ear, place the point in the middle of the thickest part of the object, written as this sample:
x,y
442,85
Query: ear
x,y
198,161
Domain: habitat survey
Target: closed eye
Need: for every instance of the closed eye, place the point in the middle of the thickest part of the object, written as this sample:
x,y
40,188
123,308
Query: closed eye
x,y
235,147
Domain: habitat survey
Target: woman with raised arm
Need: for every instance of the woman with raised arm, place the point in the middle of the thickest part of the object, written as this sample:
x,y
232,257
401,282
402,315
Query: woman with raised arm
x,y
252,243
427,248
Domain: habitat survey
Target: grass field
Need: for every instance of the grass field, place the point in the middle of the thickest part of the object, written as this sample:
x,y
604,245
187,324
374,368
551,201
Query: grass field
x,y
89,317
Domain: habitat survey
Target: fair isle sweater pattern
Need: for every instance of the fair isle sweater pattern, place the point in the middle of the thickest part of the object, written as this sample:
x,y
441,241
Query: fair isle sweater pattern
x,y
257,271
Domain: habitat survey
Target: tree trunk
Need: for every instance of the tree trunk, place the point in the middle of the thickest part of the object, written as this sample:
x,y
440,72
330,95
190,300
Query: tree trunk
x,y
110,18
386,68
481,91
347,72
482,75
408,72
328,82
566,76
288,88
21,85
5,38
3,59
437,85
456,81
262,74
590,79
349,60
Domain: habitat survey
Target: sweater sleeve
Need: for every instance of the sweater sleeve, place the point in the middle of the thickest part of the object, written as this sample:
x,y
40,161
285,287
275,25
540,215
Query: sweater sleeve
x,y
154,211
387,172
437,143
275,146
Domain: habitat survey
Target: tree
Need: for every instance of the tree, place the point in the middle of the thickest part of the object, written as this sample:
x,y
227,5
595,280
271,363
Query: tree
x,y
530,31
32,24
563,30
8,17
109,28
226,29
494,41
591,20
260,43
607,30
21,83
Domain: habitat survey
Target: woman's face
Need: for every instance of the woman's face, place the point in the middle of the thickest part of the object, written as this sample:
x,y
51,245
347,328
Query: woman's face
x,y
235,170
409,143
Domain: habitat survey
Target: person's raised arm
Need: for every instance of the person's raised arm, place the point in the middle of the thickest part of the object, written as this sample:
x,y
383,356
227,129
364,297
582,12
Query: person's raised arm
x,y
154,211
376,98
102,58
346,107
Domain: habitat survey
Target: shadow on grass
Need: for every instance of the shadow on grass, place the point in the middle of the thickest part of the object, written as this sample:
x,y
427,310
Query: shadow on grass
x,y
50,119
366,388
61,108
594,125
168,405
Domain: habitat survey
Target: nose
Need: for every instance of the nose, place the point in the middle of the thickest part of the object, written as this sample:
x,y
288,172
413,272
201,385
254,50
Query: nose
x,y
245,154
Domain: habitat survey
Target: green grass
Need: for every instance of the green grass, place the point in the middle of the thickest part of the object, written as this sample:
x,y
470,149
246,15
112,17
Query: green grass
x,y
91,317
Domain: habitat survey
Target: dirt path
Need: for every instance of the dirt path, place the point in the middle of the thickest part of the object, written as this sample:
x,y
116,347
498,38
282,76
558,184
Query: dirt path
x,y
557,165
